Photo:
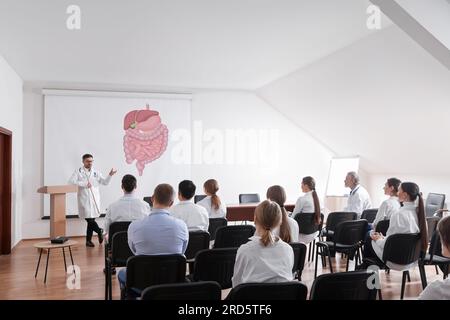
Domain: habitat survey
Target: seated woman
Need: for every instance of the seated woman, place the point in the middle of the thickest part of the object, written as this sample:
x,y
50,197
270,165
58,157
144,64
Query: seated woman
x,y
212,202
409,219
265,258
440,289
308,203
288,230
391,205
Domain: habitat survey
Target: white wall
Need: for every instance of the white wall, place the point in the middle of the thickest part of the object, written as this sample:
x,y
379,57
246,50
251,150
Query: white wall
x,y
216,113
11,119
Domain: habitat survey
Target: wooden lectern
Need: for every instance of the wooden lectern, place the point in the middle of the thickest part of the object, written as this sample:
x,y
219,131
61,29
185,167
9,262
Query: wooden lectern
x,y
58,207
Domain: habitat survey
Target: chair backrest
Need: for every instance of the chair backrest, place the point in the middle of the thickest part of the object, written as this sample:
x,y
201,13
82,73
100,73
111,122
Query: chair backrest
x,y
435,248
215,265
206,290
149,201
249,198
214,224
233,236
299,257
344,286
369,215
382,226
402,248
145,271
334,218
432,223
120,251
198,240
434,202
306,223
350,232
199,197
269,291
117,226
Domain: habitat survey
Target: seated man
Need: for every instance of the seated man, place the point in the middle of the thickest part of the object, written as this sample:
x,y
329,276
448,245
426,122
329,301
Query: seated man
x,y
359,199
127,208
196,217
158,233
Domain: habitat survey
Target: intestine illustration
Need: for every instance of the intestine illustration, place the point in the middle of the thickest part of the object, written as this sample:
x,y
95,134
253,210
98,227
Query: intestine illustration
x,y
145,137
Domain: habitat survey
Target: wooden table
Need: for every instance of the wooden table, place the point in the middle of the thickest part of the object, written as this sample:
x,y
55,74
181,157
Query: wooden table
x,y
47,245
245,212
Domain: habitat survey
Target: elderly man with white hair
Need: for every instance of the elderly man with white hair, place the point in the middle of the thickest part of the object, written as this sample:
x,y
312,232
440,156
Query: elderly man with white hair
x,y
359,199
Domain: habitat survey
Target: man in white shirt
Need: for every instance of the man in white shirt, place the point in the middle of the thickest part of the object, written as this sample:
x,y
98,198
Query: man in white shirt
x,y
129,207
359,199
196,217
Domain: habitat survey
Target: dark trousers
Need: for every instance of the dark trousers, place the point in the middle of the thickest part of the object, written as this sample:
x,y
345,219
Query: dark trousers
x,y
369,256
91,227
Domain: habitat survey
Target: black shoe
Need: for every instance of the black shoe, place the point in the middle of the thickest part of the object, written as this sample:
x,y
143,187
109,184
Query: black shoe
x,y
100,236
90,244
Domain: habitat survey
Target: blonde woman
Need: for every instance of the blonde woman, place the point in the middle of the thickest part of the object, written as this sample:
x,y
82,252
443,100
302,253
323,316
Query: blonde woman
x,y
288,230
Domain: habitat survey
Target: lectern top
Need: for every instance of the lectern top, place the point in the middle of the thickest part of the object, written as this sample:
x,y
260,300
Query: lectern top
x,y
58,189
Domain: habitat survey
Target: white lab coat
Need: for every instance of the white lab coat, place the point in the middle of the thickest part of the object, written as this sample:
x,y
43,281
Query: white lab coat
x,y
196,217
213,213
87,207
127,208
358,201
387,209
305,204
293,226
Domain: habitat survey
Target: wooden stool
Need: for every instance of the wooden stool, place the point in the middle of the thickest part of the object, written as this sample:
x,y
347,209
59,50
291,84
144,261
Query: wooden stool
x,y
47,245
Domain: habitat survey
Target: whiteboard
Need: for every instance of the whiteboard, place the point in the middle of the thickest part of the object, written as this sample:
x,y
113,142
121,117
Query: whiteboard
x,y
339,168
79,124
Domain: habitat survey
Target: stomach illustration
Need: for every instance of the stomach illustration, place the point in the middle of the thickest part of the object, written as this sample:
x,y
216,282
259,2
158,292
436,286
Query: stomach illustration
x,y
145,137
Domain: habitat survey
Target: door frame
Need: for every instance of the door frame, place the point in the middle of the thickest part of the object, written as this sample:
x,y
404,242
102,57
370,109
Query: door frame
x,y
6,213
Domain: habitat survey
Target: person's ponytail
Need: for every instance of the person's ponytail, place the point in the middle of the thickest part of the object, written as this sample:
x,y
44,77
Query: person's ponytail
x,y
317,218
285,229
267,217
215,202
422,223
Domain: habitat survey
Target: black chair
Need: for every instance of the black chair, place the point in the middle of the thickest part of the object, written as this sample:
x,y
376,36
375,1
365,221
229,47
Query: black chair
x,y
198,240
233,236
344,286
432,223
214,224
307,225
249,198
269,291
299,259
146,271
433,257
206,290
215,265
149,201
434,202
382,227
117,257
347,239
333,219
114,228
369,215
198,198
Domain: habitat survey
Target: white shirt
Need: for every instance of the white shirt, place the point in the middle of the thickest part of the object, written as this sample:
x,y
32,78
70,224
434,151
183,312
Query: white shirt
x,y
213,213
195,216
387,209
304,204
87,207
256,263
438,290
293,226
127,208
358,201
404,220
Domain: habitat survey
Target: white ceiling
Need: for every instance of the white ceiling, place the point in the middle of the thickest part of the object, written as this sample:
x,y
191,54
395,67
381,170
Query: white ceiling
x,y
239,44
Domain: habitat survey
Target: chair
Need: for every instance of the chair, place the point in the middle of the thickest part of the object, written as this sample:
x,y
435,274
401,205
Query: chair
x,y
249,198
198,240
432,223
369,215
149,201
269,291
344,286
214,224
198,198
307,225
233,236
145,271
117,257
433,257
114,228
333,219
434,202
206,290
382,227
347,239
299,259
215,265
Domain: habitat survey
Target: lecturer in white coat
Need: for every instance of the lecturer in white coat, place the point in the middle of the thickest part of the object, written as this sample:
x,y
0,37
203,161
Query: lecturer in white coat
x,y
88,181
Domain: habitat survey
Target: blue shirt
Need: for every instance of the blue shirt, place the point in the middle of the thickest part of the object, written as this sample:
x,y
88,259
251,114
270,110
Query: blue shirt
x,y
158,233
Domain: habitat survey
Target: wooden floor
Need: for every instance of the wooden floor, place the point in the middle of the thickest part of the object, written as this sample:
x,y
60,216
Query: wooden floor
x,y
18,282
